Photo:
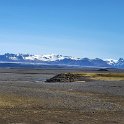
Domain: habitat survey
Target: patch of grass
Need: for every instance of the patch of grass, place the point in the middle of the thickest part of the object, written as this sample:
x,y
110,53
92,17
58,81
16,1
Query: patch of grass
x,y
11,101
109,76
102,76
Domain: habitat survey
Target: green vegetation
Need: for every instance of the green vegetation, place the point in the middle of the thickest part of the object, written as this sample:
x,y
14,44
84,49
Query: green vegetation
x,y
104,76
77,77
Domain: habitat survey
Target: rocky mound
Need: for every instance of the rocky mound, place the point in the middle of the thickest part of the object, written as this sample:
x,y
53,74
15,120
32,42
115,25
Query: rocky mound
x,y
68,77
102,69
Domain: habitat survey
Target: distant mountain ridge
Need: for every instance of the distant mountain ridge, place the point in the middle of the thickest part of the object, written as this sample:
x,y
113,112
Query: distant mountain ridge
x,y
60,60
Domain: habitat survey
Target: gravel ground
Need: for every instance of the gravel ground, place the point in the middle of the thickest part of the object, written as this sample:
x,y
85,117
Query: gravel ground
x,y
25,98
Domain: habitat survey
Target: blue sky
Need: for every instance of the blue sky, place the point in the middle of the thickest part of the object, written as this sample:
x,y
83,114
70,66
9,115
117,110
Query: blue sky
x,y
81,28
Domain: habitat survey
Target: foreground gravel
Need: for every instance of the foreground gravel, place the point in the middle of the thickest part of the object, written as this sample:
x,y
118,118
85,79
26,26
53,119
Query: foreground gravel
x,y
26,98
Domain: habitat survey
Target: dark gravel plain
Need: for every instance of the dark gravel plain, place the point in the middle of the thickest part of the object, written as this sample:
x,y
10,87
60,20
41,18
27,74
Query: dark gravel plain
x,y
25,98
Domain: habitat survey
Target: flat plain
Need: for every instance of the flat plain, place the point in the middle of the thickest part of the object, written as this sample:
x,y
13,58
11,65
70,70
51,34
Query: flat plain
x,y
25,98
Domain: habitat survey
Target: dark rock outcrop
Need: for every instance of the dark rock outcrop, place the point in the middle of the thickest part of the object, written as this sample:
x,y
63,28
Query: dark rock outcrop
x,y
102,70
68,77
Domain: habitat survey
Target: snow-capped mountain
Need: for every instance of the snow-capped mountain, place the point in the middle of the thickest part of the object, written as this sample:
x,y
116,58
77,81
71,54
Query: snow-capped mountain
x,y
111,61
48,58
53,59
35,58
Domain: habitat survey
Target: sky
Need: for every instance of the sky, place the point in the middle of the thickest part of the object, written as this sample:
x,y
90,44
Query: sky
x,y
79,28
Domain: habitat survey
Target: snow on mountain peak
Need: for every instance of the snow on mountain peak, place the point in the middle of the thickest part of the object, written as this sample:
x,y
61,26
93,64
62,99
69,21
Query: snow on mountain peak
x,y
50,57
111,61
60,59
13,58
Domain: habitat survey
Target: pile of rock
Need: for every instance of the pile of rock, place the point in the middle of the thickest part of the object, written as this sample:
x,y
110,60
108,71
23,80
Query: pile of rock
x,y
102,69
67,77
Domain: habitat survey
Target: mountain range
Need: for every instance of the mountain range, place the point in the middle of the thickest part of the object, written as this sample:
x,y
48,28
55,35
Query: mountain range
x,y
60,60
